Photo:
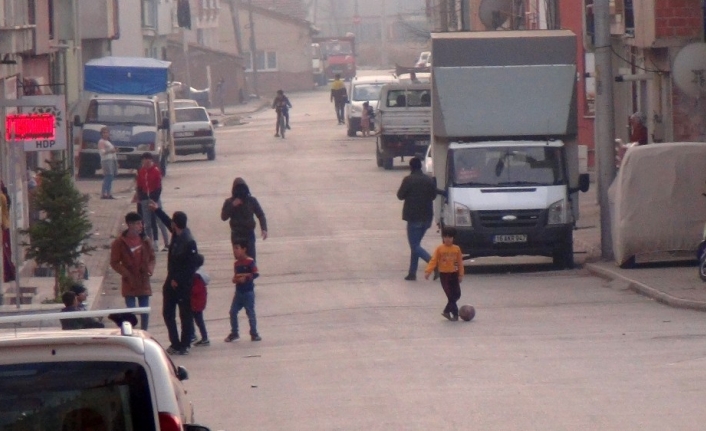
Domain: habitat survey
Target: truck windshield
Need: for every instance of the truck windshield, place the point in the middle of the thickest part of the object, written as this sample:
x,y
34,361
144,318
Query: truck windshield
x,y
367,92
57,396
405,97
121,112
338,48
507,166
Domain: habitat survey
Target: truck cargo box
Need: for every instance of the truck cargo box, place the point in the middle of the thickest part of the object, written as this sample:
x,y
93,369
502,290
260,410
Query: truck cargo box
x,y
126,75
525,78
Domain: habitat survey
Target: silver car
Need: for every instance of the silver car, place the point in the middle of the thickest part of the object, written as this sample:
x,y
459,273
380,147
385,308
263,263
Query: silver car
x,y
193,132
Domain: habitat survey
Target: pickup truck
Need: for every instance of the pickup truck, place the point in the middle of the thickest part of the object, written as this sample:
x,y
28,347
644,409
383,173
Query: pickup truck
x,y
402,122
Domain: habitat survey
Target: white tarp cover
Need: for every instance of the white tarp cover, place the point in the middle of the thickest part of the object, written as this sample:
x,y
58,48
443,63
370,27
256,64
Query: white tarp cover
x,y
656,200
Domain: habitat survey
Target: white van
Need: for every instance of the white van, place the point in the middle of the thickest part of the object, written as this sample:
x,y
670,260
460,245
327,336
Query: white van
x,y
115,379
363,89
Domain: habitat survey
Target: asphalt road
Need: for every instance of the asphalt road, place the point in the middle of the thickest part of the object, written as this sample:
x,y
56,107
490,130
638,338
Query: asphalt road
x,y
349,345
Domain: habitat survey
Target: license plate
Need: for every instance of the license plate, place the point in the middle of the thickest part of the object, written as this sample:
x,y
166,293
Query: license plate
x,y
424,143
509,238
183,134
121,157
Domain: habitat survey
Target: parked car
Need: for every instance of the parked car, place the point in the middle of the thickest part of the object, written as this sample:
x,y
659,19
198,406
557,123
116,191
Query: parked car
x,y
363,89
193,132
101,379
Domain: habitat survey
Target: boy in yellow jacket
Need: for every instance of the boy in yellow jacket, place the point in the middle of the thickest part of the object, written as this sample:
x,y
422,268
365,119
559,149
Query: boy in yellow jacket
x,y
448,259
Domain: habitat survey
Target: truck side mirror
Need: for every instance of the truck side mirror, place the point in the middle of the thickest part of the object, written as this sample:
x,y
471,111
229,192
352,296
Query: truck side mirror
x,y
77,121
165,123
584,182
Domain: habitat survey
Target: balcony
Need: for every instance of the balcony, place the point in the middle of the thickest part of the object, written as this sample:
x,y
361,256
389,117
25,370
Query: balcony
x,y
17,39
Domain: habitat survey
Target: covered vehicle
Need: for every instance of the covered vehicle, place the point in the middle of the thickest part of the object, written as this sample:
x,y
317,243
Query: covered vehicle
x,y
193,132
656,202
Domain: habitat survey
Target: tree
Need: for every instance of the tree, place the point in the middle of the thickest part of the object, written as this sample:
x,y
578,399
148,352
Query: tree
x,y
58,238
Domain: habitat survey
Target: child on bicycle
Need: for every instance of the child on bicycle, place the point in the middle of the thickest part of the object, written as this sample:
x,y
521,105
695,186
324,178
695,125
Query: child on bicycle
x,y
281,105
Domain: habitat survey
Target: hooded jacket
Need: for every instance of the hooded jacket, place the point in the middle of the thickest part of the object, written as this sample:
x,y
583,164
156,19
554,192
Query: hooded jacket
x,y
242,218
135,278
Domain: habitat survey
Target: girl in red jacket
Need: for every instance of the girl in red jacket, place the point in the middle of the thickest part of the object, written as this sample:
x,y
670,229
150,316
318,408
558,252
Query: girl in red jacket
x,y
198,301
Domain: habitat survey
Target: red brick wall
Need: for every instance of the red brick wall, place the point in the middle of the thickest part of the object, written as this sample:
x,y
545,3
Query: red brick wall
x,y
678,18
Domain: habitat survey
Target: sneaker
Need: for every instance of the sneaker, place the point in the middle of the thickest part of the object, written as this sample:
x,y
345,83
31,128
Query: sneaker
x,y
454,318
203,342
410,277
165,248
255,337
447,315
171,350
288,128
231,337
183,352
276,135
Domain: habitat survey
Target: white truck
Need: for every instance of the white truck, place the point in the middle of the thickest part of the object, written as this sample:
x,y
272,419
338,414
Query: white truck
x,y
402,122
124,95
503,135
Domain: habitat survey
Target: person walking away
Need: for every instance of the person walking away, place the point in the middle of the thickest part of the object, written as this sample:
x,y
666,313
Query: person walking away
x,y
339,96
176,291
448,260
418,192
109,163
148,188
198,300
132,256
281,104
365,118
245,271
9,272
220,88
240,210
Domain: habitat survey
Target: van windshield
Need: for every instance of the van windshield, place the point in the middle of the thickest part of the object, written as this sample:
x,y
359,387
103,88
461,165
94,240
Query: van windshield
x,y
367,92
61,396
121,112
507,166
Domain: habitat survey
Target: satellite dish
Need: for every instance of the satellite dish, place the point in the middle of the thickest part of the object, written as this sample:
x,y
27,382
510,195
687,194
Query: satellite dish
x,y
689,69
494,13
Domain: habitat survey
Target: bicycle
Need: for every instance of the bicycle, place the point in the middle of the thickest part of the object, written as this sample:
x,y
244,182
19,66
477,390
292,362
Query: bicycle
x,y
280,127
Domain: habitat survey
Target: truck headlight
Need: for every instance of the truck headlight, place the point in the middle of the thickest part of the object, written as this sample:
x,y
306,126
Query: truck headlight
x,y
462,215
557,212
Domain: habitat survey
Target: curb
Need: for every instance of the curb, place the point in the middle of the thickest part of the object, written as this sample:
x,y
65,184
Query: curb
x,y
646,290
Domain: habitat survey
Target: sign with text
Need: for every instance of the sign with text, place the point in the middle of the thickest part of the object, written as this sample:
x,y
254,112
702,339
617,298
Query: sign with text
x,y
29,127
50,105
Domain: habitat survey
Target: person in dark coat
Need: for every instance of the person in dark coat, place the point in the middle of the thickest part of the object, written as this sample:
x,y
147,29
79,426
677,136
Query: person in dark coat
x,y
182,264
418,192
240,210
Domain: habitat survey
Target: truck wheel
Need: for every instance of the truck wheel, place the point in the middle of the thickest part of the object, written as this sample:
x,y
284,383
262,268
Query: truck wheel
x,y
563,257
86,170
702,267
211,154
163,165
387,164
630,263
378,156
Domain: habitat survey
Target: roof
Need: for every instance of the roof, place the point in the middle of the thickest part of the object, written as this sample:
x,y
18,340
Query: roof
x,y
141,62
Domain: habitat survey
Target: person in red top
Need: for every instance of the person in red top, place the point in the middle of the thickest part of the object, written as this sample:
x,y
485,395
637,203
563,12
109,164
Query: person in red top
x,y
198,300
148,188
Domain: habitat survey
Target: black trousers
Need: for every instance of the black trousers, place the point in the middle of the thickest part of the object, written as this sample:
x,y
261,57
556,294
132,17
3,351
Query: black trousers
x,y
340,106
201,324
173,299
452,289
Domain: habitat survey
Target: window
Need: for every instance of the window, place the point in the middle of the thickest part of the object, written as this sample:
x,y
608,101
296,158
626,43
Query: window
x,y
120,112
266,60
412,98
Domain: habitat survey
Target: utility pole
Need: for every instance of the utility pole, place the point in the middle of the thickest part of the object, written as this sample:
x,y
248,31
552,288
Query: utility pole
x,y
604,124
235,16
253,49
383,34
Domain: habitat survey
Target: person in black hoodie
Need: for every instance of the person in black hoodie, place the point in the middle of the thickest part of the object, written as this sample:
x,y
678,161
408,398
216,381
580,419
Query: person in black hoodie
x,y
181,266
240,210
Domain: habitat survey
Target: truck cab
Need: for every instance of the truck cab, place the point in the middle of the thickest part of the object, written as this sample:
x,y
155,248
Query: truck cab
x,y
136,125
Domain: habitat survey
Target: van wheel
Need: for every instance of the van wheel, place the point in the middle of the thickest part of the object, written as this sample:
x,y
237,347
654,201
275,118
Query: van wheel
x,y
702,267
211,154
387,164
163,165
563,256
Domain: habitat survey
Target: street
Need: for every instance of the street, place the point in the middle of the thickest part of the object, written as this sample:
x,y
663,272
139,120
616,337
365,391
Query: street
x,y
348,344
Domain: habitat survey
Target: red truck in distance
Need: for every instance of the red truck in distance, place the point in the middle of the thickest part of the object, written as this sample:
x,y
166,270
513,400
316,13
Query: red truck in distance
x,y
338,56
